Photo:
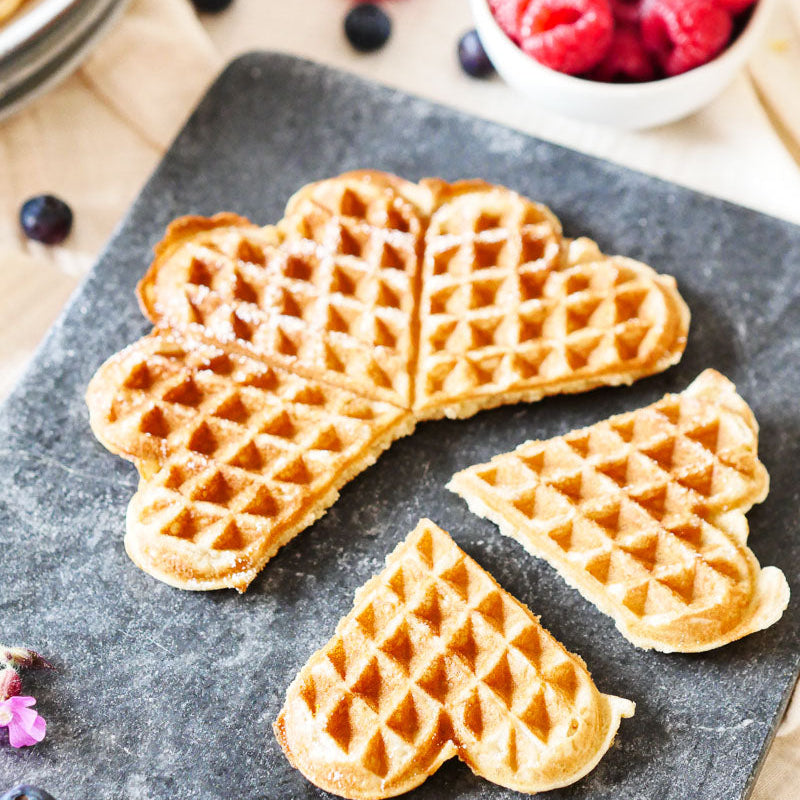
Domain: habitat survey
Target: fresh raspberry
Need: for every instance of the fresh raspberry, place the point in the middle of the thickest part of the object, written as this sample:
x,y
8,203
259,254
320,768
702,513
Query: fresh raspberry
x,y
626,61
734,6
508,14
684,34
569,36
626,12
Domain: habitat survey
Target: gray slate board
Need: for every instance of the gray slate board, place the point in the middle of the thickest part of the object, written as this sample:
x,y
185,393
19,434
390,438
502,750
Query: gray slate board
x,y
165,694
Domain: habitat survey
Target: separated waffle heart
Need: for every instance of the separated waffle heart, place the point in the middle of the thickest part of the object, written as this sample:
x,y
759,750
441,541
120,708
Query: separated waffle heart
x,y
644,513
236,457
435,660
437,299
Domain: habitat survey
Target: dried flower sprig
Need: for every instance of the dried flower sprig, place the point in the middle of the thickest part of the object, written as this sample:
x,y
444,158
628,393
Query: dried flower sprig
x,y
23,657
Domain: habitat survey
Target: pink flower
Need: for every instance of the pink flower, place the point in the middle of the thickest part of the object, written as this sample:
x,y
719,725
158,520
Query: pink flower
x,y
25,726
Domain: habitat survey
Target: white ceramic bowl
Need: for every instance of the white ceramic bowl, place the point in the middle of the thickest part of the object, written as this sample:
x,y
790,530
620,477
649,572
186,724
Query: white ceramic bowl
x,y
623,105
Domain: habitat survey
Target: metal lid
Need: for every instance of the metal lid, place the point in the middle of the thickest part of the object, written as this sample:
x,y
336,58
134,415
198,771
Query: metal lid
x,y
47,42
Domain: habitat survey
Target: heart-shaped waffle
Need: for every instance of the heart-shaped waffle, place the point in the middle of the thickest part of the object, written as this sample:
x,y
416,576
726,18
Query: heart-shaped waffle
x,y
510,311
236,456
437,660
644,513
416,300
335,300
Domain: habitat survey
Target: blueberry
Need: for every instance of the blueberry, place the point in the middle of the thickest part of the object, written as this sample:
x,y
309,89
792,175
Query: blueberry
x,y
211,5
367,27
472,56
46,219
26,792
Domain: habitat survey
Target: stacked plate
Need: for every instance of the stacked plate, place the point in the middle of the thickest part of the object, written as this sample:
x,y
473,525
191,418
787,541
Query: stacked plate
x,y
45,41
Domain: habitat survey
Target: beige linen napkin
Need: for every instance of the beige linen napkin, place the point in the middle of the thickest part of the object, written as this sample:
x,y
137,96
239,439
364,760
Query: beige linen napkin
x,y
780,778
92,141
28,284
775,68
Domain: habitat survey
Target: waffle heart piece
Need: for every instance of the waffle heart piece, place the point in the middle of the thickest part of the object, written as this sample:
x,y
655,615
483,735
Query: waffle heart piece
x,y
330,293
644,513
415,299
436,660
511,311
236,457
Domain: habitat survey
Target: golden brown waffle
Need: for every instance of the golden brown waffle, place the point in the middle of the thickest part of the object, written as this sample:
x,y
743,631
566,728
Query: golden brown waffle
x,y
511,312
364,271
236,457
367,199
505,309
336,301
436,660
644,513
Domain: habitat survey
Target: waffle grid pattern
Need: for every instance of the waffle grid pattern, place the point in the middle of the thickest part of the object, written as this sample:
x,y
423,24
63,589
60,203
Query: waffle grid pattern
x,y
505,310
332,296
500,306
237,448
436,652
336,301
636,511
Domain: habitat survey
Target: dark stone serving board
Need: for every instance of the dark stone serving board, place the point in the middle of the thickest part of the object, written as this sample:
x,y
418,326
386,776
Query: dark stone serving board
x,y
159,693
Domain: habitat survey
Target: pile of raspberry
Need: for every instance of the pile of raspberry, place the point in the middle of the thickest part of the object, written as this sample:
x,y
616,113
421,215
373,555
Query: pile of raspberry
x,y
621,40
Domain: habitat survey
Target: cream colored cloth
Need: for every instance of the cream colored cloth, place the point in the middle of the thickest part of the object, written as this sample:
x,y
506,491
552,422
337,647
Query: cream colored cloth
x,y
92,141
780,777
95,139
775,68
